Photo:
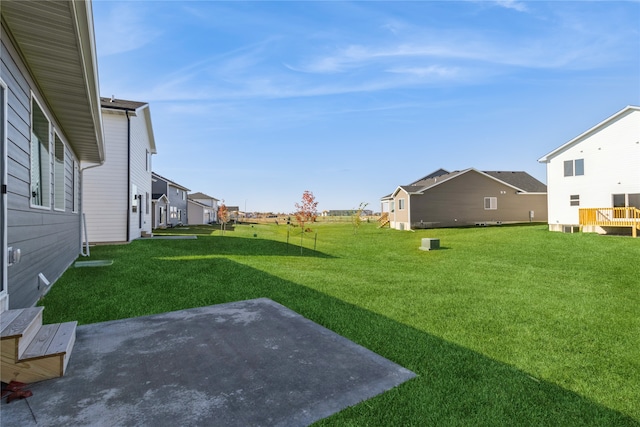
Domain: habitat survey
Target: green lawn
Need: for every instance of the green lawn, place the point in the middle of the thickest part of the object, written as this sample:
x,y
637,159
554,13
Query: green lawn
x,y
504,325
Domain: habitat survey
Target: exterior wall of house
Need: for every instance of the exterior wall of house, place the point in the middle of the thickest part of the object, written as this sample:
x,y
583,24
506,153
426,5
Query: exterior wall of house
x,y
105,188
108,204
177,206
48,236
196,213
611,166
461,202
213,203
399,218
159,214
140,176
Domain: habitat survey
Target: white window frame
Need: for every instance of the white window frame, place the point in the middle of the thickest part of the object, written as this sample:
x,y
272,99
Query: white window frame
x,y
46,204
492,205
573,164
400,204
574,200
76,187
57,184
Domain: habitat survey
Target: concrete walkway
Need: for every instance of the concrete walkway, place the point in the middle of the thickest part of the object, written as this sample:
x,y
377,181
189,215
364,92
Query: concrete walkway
x,y
249,363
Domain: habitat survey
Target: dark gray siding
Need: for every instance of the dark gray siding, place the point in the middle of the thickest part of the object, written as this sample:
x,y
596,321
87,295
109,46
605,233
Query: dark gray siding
x,y
49,240
460,202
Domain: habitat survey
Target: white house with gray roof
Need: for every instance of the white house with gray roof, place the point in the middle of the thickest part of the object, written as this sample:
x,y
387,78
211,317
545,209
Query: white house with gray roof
x,y
203,209
117,195
594,179
466,197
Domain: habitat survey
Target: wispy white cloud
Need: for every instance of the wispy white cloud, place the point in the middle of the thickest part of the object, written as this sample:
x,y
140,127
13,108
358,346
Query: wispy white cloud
x,y
512,4
125,26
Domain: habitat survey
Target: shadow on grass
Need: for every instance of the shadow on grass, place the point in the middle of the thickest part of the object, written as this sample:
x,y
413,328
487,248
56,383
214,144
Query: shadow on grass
x,y
220,245
455,385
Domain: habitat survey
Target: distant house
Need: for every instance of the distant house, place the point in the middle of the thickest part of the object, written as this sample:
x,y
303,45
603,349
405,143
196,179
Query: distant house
x,y
117,195
50,133
594,179
203,209
234,213
467,197
176,195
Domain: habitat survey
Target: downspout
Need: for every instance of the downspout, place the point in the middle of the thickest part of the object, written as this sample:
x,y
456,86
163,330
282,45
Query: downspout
x,y
126,112
84,249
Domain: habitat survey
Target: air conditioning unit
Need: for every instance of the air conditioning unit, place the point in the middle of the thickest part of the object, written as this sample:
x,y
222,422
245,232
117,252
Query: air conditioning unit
x,y
429,244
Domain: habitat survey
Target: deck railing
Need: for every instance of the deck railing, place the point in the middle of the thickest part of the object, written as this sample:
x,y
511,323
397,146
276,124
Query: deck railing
x,y
611,217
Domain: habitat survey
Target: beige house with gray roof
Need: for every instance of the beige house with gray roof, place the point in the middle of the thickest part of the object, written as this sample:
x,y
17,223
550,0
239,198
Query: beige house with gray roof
x,y
466,198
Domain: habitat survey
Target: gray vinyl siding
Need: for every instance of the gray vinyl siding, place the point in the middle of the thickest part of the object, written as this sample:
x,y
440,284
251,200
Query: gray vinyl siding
x,y
460,202
161,186
49,240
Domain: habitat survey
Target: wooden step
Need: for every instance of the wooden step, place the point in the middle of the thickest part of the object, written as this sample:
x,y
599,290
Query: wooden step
x,y
19,327
32,352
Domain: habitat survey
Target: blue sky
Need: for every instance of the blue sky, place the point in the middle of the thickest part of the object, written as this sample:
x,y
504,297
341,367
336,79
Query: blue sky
x,y
256,102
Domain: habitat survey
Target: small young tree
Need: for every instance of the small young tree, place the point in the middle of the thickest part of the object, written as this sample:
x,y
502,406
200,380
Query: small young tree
x,y
306,213
357,217
223,216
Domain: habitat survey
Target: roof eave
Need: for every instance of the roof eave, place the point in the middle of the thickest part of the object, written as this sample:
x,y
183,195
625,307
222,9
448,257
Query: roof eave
x,y
65,71
547,157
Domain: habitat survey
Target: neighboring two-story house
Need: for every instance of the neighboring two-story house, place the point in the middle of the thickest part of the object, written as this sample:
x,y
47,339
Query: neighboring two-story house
x,y
176,199
117,195
203,209
594,179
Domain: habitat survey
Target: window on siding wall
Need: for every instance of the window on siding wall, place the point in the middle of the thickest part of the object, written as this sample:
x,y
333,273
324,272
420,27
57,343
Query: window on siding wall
x,y
574,167
58,174
490,203
401,204
40,157
173,212
574,200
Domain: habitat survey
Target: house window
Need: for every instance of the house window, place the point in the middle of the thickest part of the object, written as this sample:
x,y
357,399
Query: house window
x,y
76,187
58,174
574,167
40,157
574,200
184,193
392,207
490,203
173,212
401,204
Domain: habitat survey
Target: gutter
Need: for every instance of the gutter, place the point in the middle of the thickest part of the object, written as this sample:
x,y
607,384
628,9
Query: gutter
x,y
126,112
84,250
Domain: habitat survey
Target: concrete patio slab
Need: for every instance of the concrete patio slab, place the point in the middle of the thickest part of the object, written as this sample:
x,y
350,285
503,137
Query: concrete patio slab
x,y
249,363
